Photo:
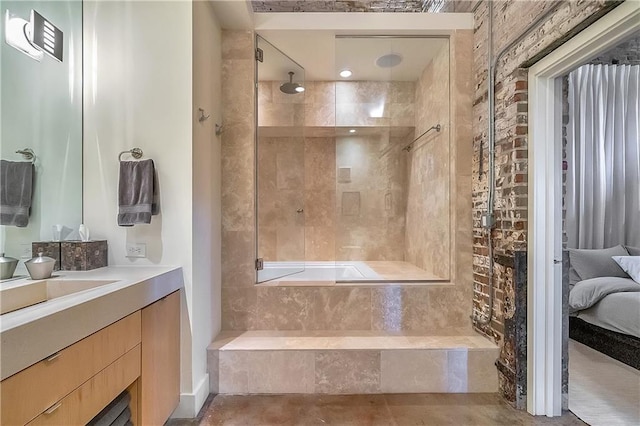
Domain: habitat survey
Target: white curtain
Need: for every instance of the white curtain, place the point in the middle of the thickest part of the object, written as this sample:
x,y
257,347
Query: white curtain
x,y
603,155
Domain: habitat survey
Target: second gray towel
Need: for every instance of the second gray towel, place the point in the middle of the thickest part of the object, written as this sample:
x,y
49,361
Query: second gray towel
x,y
16,189
137,192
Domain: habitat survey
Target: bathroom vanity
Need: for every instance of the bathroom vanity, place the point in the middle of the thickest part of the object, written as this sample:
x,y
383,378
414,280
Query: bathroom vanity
x,y
65,359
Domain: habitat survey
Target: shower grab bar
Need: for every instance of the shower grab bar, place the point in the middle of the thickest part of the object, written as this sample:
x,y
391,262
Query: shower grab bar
x,y
408,147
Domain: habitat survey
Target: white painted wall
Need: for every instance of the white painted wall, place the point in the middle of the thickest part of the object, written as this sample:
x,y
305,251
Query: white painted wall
x,y
139,92
206,213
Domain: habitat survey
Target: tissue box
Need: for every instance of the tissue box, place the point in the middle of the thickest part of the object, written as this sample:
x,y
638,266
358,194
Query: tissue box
x,y
83,255
48,248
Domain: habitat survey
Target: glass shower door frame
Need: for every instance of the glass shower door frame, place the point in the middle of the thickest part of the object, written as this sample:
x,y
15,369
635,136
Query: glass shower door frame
x,y
268,268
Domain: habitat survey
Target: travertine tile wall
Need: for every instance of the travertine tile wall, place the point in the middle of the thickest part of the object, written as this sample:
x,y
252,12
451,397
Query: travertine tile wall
x,y
358,219
428,220
362,371
435,309
326,104
280,193
371,202
278,109
320,198
374,103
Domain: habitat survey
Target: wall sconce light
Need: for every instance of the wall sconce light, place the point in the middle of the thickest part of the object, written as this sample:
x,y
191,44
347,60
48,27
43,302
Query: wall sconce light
x,y
34,37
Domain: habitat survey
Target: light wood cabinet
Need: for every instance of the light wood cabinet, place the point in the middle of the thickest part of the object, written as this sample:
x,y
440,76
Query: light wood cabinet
x,y
140,352
81,405
37,388
160,375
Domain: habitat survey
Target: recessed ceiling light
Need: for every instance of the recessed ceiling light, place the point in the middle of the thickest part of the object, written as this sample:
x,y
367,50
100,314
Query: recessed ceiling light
x,y
352,130
300,89
345,73
389,60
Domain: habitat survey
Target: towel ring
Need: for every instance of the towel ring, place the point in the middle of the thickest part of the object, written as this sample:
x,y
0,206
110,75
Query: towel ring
x,y
27,154
135,153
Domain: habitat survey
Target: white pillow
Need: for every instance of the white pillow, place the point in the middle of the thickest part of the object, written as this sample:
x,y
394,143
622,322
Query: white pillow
x,y
630,264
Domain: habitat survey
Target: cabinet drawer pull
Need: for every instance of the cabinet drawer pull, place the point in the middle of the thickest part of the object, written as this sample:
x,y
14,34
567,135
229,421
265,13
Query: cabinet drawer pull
x,y
52,357
53,408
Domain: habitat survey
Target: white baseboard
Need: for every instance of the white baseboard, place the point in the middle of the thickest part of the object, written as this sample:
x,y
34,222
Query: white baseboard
x,y
191,403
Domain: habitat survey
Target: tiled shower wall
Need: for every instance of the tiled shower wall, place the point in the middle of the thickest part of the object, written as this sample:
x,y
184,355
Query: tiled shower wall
x,y
428,229
434,309
365,221
371,197
361,214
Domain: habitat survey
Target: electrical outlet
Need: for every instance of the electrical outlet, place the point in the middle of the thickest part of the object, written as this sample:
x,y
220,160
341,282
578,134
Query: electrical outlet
x,y
136,250
25,251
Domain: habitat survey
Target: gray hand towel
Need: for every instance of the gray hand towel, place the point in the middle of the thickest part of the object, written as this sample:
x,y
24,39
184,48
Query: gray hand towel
x,y
16,189
137,192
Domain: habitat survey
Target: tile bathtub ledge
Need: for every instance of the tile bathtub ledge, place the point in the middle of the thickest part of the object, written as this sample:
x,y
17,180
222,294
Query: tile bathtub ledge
x,y
31,334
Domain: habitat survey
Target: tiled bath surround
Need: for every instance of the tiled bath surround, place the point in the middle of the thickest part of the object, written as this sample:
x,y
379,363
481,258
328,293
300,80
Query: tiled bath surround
x,y
364,214
359,216
246,307
430,310
354,363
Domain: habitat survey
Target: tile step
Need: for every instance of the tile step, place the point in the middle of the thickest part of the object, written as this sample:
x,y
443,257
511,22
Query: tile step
x,y
276,362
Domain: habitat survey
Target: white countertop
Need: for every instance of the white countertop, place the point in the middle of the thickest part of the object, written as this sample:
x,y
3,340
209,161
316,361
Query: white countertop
x,y
33,333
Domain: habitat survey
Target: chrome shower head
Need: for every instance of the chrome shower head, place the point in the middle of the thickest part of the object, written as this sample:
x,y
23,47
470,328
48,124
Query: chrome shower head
x,y
291,88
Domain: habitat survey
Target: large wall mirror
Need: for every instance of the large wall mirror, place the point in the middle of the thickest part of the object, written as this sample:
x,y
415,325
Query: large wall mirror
x,y
41,113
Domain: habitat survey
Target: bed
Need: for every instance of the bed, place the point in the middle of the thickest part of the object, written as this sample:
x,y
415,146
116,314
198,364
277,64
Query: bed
x,y
604,301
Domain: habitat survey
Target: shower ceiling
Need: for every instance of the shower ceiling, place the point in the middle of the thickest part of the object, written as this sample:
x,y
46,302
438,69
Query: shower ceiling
x,y
329,55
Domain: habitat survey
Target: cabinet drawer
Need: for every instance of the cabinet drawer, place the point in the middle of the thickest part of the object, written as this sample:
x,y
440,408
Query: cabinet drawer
x,y
84,403
33,390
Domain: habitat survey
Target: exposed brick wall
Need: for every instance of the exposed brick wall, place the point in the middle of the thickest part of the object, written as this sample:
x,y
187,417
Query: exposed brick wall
x,y
511,18
337,6
266,6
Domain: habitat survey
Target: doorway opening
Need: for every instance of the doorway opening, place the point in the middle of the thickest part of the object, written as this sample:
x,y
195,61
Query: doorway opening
x,y
547,308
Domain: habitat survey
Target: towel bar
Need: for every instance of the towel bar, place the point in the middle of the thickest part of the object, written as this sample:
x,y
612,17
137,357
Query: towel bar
x,y
135,153
437,128
28,154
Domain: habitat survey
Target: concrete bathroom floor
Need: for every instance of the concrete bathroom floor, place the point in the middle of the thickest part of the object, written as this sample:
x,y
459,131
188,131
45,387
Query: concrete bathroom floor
x,y
364,410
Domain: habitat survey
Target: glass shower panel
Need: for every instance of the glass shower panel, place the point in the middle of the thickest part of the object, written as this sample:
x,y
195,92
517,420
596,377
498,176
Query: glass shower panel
x,y
392,202
280,164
